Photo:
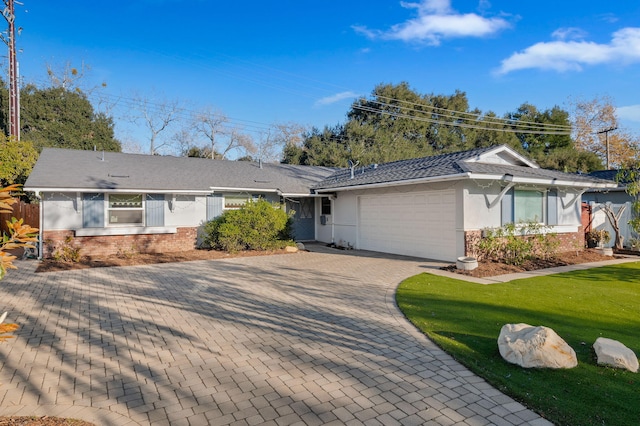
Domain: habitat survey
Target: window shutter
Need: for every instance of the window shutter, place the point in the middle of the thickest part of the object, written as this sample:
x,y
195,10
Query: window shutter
x,y
154,210
93,210
552,207
507,207
214,206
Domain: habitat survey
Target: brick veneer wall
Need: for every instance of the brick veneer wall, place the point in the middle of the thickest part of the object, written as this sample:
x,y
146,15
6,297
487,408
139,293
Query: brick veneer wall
x,y
107,245
569,241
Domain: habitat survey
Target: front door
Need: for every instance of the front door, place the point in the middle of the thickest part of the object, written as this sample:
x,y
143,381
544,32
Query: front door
x,y
304,219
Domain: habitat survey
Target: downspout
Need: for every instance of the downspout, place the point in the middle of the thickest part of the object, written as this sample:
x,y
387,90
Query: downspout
x,y
333,214
40,197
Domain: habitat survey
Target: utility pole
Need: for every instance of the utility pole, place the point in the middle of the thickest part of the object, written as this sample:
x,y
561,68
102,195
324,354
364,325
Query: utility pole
x,y
606,138
14,91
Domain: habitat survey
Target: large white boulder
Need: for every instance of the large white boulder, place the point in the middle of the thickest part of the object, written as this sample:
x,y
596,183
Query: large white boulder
x,y
539,347
614,354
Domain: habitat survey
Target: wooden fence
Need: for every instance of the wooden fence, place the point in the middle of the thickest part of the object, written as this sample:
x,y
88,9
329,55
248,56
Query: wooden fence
x,y
21,210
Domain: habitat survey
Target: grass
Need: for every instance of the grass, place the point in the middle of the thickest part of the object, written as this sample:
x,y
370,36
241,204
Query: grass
x,y
465,320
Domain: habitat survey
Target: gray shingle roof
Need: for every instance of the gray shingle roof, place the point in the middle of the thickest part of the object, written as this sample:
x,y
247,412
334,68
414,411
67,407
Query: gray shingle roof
x,y
443,166
416,168
90,170
612,175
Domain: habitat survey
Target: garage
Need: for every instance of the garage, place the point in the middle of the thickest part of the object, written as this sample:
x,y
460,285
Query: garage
x,y
420,224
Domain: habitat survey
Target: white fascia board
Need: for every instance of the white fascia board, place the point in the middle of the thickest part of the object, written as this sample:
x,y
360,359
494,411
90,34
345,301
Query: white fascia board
x,y
542,181
511,151
435,179
122,191
295,195
229,189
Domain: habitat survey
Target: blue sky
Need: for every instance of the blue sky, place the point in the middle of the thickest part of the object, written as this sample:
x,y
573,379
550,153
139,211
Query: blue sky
x,y
304,61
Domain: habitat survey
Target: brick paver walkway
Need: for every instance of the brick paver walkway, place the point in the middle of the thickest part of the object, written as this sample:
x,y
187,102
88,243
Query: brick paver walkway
x,y
308,338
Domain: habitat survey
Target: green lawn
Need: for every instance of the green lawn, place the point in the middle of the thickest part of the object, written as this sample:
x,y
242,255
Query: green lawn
x,y
465,320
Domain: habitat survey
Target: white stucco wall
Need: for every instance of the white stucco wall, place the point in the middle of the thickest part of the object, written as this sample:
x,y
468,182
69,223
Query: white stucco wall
x,y
345,218
62,211
189,210
323,232
478,215
569,207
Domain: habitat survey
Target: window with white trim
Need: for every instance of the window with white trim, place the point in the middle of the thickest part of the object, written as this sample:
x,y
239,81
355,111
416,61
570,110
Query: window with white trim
x,y
236,201
326,206
125,210
528,206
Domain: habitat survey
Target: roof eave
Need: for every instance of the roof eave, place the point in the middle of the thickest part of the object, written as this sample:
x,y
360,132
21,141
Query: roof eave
x,y
241,189
38,189
541,181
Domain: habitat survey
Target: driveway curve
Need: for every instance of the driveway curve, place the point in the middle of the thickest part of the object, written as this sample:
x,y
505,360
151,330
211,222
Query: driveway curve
x,y
309,338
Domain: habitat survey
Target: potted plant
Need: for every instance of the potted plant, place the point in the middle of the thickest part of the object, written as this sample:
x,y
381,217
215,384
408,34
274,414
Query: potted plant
x,y
597,238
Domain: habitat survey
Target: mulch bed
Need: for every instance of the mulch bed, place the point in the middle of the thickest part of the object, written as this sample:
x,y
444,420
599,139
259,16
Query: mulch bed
x,y
50,265
490,268
41,421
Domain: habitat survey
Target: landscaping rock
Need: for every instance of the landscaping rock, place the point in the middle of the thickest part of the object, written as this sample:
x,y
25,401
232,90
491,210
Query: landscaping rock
x,y
291,249
535,347
300,246
614,354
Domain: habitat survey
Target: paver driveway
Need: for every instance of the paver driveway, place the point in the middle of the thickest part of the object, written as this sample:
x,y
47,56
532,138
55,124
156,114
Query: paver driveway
x,y
308,338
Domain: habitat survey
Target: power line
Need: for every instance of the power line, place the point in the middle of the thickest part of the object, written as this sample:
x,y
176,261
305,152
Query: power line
x,y
459,124
472,116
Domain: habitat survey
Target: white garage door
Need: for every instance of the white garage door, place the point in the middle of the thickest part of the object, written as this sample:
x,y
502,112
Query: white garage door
x,y
418,224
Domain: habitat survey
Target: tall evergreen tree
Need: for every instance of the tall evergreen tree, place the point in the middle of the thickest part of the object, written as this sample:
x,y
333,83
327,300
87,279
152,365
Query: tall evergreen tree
x,y
57,117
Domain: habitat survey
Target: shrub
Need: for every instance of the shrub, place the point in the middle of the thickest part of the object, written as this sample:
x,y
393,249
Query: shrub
x,y
67,252
515,244
258,225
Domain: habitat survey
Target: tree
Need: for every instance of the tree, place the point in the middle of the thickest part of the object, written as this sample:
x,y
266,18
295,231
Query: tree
x,y
20,235
324,147
550,150
596,129
397,123
220,137
631,179
489,132
210,125
56,117
614,220
157,116
17,159
272,143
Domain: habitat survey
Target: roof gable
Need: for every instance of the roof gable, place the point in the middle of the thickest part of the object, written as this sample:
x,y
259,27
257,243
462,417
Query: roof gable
x,y
502,155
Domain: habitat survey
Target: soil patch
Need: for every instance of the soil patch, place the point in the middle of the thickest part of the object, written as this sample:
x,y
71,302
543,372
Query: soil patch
x,y
50,265
491,268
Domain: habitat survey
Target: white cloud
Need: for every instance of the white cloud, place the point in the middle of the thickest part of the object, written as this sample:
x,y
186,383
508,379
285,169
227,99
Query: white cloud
x,y
574,55
570,33
436,20
336,98
629,112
